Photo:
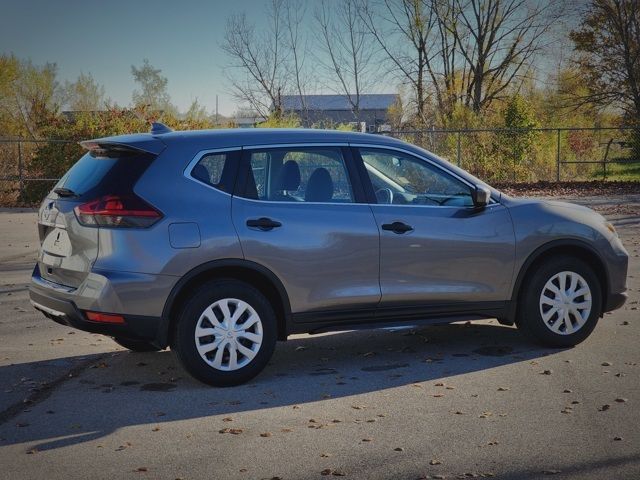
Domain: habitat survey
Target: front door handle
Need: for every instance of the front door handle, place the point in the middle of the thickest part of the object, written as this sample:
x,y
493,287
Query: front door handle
x,y
397,227
263,223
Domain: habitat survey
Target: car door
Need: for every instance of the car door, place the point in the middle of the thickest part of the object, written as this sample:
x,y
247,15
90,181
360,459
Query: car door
x,y
436,249
299,213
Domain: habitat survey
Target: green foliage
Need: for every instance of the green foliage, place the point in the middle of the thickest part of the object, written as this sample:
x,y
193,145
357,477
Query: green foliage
x,y
280,121
516,144
152,95
28,95
84,95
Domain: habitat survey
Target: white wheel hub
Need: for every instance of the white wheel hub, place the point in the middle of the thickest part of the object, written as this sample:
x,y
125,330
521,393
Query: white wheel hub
x,y
565,303
228,334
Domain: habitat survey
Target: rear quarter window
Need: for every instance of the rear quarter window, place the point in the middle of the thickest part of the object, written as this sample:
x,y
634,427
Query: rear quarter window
x,y
216,169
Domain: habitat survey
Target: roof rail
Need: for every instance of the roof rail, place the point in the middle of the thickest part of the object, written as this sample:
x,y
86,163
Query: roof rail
x,y
158,128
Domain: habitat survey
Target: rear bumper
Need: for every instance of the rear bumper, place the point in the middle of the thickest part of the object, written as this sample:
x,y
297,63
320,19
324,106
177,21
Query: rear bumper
x,y
615,301
65,306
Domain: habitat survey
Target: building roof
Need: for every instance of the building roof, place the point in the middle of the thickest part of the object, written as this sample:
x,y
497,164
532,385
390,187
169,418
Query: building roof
x,y
369,101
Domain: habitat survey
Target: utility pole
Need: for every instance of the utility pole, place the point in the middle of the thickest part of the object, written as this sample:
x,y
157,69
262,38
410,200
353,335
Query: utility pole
x,y
216,110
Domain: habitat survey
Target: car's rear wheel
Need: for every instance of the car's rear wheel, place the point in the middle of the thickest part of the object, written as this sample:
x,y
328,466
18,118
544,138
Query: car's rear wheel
x,y
226,333
561,302
136,345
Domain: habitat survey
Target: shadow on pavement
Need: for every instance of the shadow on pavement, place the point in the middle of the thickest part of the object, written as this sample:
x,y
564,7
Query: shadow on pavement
x,y
128,389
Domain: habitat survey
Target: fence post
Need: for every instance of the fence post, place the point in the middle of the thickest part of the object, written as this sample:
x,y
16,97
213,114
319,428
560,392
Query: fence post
x,y
558,157
458,147
20,172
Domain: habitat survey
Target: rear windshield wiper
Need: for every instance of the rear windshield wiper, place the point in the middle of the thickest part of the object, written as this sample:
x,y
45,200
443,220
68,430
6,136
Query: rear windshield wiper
x,y
65,192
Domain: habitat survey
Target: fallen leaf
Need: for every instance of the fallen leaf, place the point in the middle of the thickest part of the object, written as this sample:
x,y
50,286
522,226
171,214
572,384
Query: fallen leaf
x,y
434,462
265,434
621,400
604,408
233,431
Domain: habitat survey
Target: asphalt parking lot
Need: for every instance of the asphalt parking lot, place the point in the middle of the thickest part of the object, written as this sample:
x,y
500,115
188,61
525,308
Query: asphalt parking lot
x,y
455,401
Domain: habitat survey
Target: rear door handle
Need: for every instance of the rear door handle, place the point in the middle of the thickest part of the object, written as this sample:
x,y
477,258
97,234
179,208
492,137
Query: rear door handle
x,y
263,223
397,227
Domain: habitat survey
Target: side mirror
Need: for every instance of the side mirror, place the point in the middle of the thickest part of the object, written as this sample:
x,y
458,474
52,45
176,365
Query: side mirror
x,y
480,196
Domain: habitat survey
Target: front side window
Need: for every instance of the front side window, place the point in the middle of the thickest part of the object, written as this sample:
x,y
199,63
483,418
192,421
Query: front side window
x,y
298,175
400,179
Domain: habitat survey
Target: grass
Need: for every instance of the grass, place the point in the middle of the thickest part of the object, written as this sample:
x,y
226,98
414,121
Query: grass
x,y
628,172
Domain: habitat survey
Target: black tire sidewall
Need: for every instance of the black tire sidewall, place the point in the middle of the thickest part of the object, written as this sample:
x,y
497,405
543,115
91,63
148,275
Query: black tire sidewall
x,y
185,345
529,318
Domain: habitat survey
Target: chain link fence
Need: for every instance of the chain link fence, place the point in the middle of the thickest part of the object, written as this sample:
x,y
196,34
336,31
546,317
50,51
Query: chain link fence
x,y
30,168
538,154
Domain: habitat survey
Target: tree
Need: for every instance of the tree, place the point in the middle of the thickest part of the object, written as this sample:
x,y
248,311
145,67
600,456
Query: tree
x,y
519,119
498,40
608,45
349,53
468,52
28,96
84,95
297,44
196,112
153,95
403,30
258,68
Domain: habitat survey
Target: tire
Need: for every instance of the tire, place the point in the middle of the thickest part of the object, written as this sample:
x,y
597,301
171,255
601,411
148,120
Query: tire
x,y
204,312
536,318
136,345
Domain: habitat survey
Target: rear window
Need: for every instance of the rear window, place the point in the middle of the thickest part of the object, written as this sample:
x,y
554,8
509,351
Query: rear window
x,y
92,177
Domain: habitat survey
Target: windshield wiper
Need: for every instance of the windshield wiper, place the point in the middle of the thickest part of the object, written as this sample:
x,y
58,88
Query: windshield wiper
x,y
65,192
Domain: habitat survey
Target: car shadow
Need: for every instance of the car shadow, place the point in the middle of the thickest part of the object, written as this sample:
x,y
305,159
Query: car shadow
x,y
130,389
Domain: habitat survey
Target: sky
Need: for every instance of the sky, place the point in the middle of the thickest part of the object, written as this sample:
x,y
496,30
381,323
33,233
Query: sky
x,y
105,38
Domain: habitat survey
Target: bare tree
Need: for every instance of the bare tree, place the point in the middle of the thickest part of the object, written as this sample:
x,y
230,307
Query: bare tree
x,y
346,53
407,32
498,40
297,45
460,51
258,61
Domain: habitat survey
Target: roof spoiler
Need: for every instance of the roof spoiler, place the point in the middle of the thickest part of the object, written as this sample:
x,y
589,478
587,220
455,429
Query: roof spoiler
x,y
111,146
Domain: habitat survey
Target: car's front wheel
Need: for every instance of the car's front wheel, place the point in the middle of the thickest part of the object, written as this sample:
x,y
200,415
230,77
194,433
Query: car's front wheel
x,y
561,302
226,333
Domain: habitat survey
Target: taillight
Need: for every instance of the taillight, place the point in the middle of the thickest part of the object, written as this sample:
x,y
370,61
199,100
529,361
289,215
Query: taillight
x,y
104,317
117,211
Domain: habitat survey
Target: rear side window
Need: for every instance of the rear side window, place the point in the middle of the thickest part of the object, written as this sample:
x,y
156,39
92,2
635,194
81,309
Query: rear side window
x,y
93,176
299,174
216,169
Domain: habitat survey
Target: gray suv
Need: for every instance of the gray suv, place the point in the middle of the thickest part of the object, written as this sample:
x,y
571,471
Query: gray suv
x,y
218,243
